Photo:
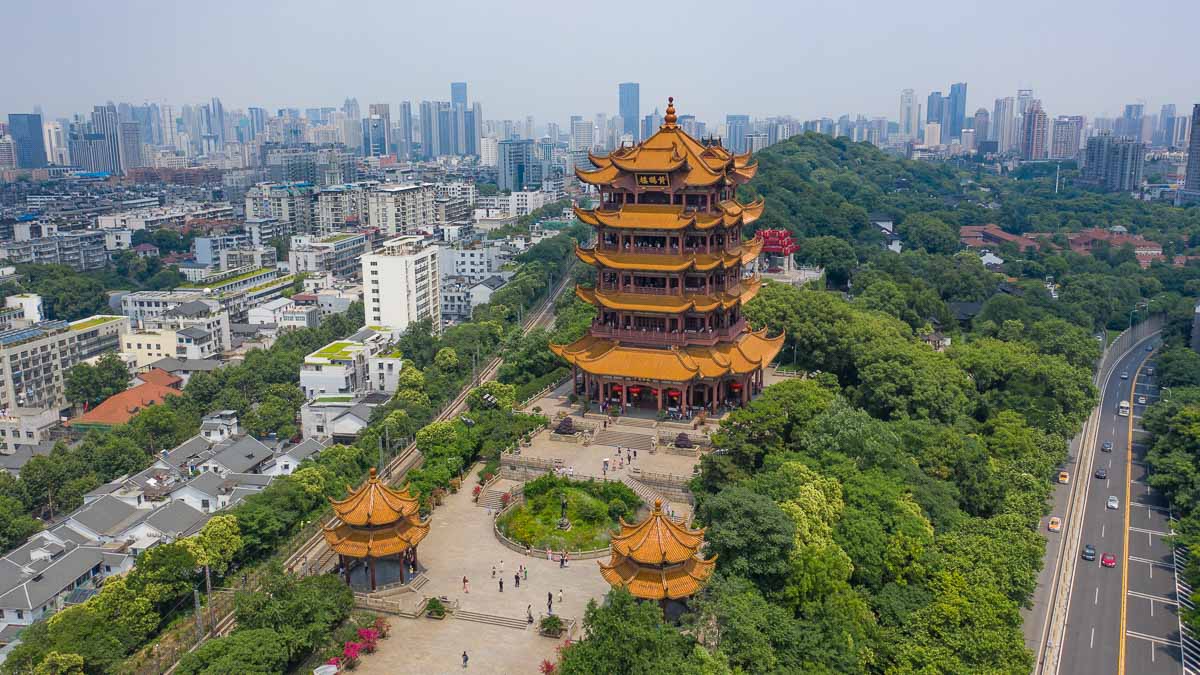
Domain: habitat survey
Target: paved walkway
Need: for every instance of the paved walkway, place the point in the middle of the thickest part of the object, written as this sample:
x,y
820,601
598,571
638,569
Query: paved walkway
x,y
461,543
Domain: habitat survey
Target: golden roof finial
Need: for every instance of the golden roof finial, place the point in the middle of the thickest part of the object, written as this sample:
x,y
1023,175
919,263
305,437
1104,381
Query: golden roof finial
x,y
669,119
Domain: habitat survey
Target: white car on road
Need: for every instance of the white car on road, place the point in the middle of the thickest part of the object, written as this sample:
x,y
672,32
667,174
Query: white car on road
x,y
1113,503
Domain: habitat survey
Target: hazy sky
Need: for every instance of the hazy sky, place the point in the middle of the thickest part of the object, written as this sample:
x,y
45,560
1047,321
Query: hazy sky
x,y
554,59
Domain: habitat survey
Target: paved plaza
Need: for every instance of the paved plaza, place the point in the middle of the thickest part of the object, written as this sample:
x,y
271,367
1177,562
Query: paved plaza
x,y
461,543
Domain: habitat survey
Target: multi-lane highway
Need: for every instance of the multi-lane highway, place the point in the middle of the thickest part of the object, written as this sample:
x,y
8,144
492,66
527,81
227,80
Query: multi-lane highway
x,y
1121,619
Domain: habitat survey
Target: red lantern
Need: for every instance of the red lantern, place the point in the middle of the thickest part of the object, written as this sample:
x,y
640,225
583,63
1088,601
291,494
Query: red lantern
x,y
635,390
735,385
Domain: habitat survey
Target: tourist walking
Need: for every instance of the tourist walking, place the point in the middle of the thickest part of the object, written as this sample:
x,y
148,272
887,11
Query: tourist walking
x,y
529,614
516,579
525,573
464,658
560,596
501,584
501,566
493,571
466,585
562,561
549,602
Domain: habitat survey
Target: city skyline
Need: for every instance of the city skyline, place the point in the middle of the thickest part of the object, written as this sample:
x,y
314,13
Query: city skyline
x,y
779,78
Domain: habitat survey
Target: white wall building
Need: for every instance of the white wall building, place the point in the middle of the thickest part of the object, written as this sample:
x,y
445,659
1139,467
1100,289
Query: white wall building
x,y
403,209
401,284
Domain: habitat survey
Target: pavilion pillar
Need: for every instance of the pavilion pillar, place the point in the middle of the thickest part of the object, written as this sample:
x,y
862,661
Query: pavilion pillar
x,y
371,567
660,393
345,567
745,390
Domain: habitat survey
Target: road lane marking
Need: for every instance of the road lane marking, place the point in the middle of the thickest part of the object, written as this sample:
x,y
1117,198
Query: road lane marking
x,y
1092,641
1097,600
1150,532
1125,534
1102,526
1150,638
1152,507
1149,561
1153,598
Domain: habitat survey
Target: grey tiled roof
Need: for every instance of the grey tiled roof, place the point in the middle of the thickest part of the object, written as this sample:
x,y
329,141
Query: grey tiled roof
x,y
175,518
242,454
36,590
109,516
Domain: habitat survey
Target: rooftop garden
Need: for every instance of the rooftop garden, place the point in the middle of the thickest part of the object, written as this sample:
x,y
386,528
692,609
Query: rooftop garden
x,y
335,238
85,324
334,399
336,351
290,278
231,280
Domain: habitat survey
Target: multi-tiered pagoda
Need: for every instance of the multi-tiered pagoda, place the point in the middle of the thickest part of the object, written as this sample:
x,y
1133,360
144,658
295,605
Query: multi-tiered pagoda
x,y
671,278
380,526
658,559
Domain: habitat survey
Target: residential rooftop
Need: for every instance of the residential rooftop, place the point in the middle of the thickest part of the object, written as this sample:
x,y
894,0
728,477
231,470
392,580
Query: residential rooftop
x,y
93,321
335,351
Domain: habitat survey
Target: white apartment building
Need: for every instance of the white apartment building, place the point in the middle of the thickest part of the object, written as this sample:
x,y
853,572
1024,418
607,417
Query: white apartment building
x,y
518,203
146,346
401,284
340,205
403,209
476,262
383,371
337,253
337,369
290,204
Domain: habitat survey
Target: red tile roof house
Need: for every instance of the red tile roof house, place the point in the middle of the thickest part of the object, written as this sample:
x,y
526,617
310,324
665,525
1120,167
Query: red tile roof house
x,y
988,236
1088,240
120,408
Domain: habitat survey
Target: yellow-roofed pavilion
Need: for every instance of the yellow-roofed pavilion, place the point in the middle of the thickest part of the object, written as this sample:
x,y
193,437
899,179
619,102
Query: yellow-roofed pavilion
x,y
673,271
376,523
658,559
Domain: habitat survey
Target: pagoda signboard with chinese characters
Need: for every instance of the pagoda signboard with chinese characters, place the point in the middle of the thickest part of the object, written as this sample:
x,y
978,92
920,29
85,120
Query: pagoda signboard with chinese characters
x,y
672,276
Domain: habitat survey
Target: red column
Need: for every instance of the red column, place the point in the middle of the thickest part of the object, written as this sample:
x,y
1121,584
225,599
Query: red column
x,y
660,396
371,566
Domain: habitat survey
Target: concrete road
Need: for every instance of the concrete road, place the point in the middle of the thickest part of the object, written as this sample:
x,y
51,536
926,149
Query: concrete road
x,y
1098,607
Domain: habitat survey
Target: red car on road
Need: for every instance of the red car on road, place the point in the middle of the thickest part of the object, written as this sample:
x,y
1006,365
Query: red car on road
x,y
1108,560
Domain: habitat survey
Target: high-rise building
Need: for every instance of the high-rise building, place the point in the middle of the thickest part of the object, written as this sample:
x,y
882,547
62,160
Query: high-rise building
x,y
400,284
514,165
404,142
458,94
582,134
908,114
629,107
1004,124
430,130
1191,181
8,152
131,146
26,130
217,121
1114,163
980,125
1024,99
95,145
1130,122
374,136
1166,125
258,121
55,140
1034,129
350,107
402,209
935,111
1064,144
955,114
933,133
489,151
384,111
736,127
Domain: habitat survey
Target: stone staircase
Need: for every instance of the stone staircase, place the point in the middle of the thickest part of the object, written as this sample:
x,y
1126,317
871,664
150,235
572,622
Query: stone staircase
x,y
491,619
492,499
419,581
649,495
622,439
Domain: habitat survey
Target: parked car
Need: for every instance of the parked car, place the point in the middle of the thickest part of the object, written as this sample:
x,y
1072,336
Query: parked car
x,y
1108,560
1089,552
1113,503
1102,473
1055,524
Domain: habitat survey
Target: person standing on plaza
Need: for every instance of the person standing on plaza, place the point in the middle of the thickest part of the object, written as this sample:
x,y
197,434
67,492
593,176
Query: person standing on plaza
x,y
516,579
529,614
466,585
560,596
549,602
464,658
501,566
501,584
493,571
525,573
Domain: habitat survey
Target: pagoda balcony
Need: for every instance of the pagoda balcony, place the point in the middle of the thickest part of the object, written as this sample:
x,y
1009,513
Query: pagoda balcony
x,y
666,250
650,336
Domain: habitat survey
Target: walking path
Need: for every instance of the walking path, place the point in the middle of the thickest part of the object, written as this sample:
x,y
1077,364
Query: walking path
x,y
461,543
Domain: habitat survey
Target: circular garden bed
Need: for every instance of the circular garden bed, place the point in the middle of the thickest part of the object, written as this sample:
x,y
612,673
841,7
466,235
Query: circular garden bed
x,y
593,508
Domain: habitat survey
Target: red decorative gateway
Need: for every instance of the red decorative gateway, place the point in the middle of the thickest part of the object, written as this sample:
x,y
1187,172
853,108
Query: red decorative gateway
x,y
778,242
